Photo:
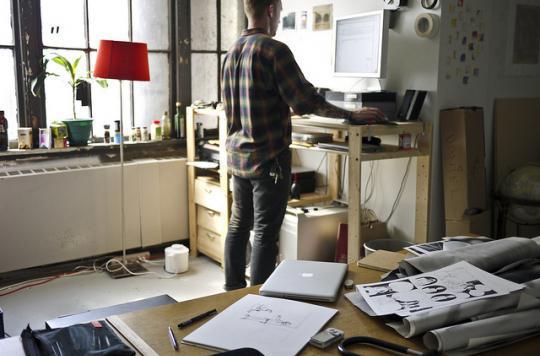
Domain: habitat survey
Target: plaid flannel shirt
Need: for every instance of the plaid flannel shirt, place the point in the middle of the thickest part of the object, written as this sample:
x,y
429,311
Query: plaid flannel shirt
x,y
261,81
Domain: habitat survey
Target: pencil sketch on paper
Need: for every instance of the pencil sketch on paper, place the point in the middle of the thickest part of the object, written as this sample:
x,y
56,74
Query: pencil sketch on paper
x,y
263,314
450,285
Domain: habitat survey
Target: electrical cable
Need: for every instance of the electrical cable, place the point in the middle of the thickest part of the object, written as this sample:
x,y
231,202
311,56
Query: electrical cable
x,y
343,177
38,281
400,192
152,262
124,267
369,180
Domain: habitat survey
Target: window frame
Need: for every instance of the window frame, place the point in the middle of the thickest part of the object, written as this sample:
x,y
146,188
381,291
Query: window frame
x,y
28,51
26,15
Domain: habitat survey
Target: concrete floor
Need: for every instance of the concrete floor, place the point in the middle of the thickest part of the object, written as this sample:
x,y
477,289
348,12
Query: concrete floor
x,y
69,295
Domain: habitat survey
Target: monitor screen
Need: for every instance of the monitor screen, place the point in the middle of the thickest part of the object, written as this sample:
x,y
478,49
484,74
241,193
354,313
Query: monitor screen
x,y
360,43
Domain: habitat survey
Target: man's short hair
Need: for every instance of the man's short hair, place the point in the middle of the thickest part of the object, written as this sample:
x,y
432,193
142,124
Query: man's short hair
x,y
256,8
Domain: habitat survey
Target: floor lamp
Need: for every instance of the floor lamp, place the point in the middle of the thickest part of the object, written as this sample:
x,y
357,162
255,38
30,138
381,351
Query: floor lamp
x,y
122,61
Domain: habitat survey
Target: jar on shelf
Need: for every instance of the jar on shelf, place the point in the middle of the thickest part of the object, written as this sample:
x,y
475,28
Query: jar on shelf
x,y
145,135
155,131
4,143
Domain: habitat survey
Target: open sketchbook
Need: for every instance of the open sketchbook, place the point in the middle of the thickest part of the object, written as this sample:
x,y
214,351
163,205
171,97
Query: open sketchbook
x,y
273,326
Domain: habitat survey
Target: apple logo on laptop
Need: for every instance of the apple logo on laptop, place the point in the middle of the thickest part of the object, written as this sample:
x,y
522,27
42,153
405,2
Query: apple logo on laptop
x,y
307,274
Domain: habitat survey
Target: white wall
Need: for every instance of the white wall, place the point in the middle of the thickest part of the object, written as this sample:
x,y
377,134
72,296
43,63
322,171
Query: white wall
x,y
492,18
412,64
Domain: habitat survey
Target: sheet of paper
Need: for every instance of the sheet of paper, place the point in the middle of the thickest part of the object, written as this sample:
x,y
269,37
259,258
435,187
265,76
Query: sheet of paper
x,y
11,346
203,164
273,326
454,284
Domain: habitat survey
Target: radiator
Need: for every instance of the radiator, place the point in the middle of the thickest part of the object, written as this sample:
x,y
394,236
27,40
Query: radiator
x,y
58,214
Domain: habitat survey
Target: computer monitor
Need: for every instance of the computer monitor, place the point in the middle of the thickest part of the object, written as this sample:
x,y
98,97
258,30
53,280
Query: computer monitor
x,y
360,45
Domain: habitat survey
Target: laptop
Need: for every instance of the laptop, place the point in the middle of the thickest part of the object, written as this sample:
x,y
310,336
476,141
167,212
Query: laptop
x,y
310,280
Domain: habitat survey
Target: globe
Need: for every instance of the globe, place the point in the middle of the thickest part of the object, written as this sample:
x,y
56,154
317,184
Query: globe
x,y
523,183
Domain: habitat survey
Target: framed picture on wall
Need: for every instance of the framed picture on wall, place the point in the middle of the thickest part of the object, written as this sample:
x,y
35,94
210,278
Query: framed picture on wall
x,y
523,42
322,17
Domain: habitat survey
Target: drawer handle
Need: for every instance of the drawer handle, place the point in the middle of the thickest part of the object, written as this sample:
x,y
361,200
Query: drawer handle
x,y
211,213
208,191
211,236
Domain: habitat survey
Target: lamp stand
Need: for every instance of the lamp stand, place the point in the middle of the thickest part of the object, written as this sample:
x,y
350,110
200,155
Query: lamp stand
x,y
133,266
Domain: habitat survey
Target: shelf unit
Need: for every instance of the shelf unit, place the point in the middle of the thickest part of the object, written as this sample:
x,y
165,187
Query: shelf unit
x,y
209,199
209,192
419,129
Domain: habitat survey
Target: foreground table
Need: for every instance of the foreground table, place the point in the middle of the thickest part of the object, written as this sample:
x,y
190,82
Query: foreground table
x,y
151,324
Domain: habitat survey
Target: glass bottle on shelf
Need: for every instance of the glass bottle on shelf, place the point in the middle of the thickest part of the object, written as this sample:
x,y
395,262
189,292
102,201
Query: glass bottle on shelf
x,y
180,121
166,125
4,143
107,133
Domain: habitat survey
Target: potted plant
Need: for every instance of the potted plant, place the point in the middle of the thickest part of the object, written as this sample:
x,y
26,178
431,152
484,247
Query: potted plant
x,y
78,129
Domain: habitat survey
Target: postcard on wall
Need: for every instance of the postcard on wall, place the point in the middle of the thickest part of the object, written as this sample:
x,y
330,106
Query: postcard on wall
x,y
455,284
523,42
289,21
322,17
302,25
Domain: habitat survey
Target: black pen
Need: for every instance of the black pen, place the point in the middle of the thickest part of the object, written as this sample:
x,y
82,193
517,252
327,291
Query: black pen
x,y
197,318
172,339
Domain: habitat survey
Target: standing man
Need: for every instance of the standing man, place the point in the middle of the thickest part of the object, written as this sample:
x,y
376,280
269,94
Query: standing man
x,y
261,83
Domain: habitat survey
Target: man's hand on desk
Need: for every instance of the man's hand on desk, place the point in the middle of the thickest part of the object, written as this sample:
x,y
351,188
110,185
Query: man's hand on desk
x,y
369,116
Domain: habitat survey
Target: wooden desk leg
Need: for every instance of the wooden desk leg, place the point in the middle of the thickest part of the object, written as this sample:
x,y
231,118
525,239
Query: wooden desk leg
x,y
354,240
423,186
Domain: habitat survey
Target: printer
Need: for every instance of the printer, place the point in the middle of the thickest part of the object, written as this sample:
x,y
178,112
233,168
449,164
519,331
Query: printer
x,y
384,100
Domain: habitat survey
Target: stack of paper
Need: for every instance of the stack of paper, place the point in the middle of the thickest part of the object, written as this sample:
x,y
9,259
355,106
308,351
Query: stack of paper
x,y
272,326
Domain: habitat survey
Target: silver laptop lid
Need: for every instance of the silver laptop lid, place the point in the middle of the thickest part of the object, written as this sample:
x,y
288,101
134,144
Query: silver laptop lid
x,y
311,280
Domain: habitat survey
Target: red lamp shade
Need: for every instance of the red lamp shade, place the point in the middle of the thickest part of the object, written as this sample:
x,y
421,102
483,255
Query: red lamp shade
x,y
122,60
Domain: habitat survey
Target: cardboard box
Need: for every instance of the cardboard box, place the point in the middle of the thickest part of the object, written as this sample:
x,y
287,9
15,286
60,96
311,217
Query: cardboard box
x,y
477,224
463,161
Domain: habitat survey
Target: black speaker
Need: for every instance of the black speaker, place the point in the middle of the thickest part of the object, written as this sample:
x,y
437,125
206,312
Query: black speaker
x,y
411,105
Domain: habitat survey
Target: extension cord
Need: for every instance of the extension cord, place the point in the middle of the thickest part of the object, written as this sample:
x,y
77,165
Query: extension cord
x,y
134,257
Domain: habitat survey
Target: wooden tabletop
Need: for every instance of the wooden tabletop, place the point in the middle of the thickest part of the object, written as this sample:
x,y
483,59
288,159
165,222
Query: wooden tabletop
x,y
151,324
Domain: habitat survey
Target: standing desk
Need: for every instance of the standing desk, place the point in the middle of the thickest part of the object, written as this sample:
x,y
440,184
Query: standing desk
x,y
421,134
150,325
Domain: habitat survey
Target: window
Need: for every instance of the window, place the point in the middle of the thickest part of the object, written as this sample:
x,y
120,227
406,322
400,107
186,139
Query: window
x,y
175,31
124,20
215,25
8,101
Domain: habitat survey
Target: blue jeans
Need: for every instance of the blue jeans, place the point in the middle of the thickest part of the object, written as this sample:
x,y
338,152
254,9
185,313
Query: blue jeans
x,y
258,203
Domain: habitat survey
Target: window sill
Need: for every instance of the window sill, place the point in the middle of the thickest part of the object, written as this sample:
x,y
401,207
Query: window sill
x,y
133,149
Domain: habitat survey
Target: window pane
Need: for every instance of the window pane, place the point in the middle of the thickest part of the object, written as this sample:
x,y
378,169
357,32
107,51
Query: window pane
x,y
63,23
108,20
58,92
151,98
203,25
8,102
232,22
6,32
204,76
151,23
106,104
